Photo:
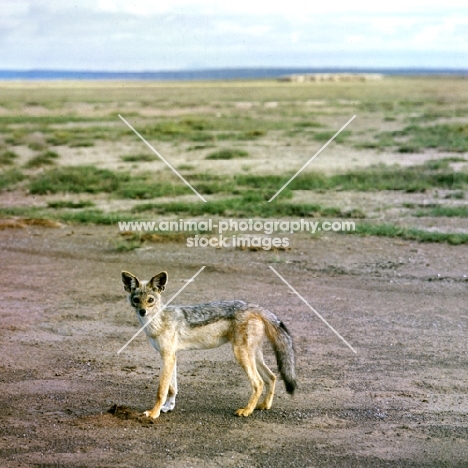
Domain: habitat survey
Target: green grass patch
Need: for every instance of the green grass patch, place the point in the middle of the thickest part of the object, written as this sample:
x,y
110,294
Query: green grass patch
x,y
415,138
186,167
249,204
83,137
47,158
37,145
93,216
10,178
199,147
209,184
143,157
435,113
61,138
308,124
7,158
374,178
67,204
389,230
77,179
44,120
323,137
458,195
184,129
205,130
241,136
444,211
90,179
442,163
141,189
16,138
227,154
81,143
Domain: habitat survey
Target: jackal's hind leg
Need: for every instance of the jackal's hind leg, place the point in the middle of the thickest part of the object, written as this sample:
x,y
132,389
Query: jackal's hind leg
x,y
270,381
247,361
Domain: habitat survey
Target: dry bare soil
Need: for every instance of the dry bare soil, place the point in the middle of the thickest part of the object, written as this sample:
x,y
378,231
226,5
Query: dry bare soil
x,y
68,399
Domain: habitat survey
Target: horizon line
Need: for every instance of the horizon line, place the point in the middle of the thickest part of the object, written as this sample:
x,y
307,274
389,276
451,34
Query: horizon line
x,y
246,69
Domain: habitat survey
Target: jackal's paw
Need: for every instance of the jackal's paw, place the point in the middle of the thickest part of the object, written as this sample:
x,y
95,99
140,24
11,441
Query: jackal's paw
x,y
263,406
168,406
151,414
243,412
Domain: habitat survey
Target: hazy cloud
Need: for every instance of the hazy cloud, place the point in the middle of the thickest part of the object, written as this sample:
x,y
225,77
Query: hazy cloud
x,y
149,35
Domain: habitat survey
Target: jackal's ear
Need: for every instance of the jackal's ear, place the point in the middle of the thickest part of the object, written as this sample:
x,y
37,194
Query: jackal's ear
x,y
158,282
130,281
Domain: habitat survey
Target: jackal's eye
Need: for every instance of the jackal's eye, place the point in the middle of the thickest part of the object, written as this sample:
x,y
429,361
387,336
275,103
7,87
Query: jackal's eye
x,y
150,300
136,300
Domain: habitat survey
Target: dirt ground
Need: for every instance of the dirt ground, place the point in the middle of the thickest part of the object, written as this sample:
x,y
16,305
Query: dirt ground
x,y
68,399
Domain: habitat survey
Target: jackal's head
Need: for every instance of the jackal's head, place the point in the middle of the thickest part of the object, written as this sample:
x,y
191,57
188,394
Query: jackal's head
x,y
144,296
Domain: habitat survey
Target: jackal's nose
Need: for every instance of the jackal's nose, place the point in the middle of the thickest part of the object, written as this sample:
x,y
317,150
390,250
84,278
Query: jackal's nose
x,y
142,312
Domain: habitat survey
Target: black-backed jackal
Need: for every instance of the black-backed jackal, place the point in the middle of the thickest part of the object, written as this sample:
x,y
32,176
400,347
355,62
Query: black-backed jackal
x,y
206,326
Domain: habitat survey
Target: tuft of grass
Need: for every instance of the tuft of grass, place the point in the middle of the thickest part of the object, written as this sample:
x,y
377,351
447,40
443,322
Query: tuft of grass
x,y
184,129
308,124
45,159
93,216
75,139
415,138
17,138
227,154
90,179
443,163
444,211
126,245
11,177
79,143
37,145
44,120
7,158
59,204
60,138
458,195
199,147
323,137
374,178
445,137
241,136
389,230
143,157
250,204
139,189
77,179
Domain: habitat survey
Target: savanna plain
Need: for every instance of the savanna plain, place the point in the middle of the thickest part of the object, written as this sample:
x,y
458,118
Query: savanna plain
x,y
395,287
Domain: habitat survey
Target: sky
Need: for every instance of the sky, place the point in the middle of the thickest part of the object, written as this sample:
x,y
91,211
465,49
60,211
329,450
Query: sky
x,y
158,35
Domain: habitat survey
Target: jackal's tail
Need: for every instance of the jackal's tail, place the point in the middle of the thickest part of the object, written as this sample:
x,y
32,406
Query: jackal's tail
x,y
282,343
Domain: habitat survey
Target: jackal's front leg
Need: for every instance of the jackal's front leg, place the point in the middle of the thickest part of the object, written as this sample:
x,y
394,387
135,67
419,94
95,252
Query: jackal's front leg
x,y
169,405
169,361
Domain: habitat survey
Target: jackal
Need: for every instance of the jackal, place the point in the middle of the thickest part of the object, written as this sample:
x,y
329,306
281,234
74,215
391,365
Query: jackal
x,y
210,325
